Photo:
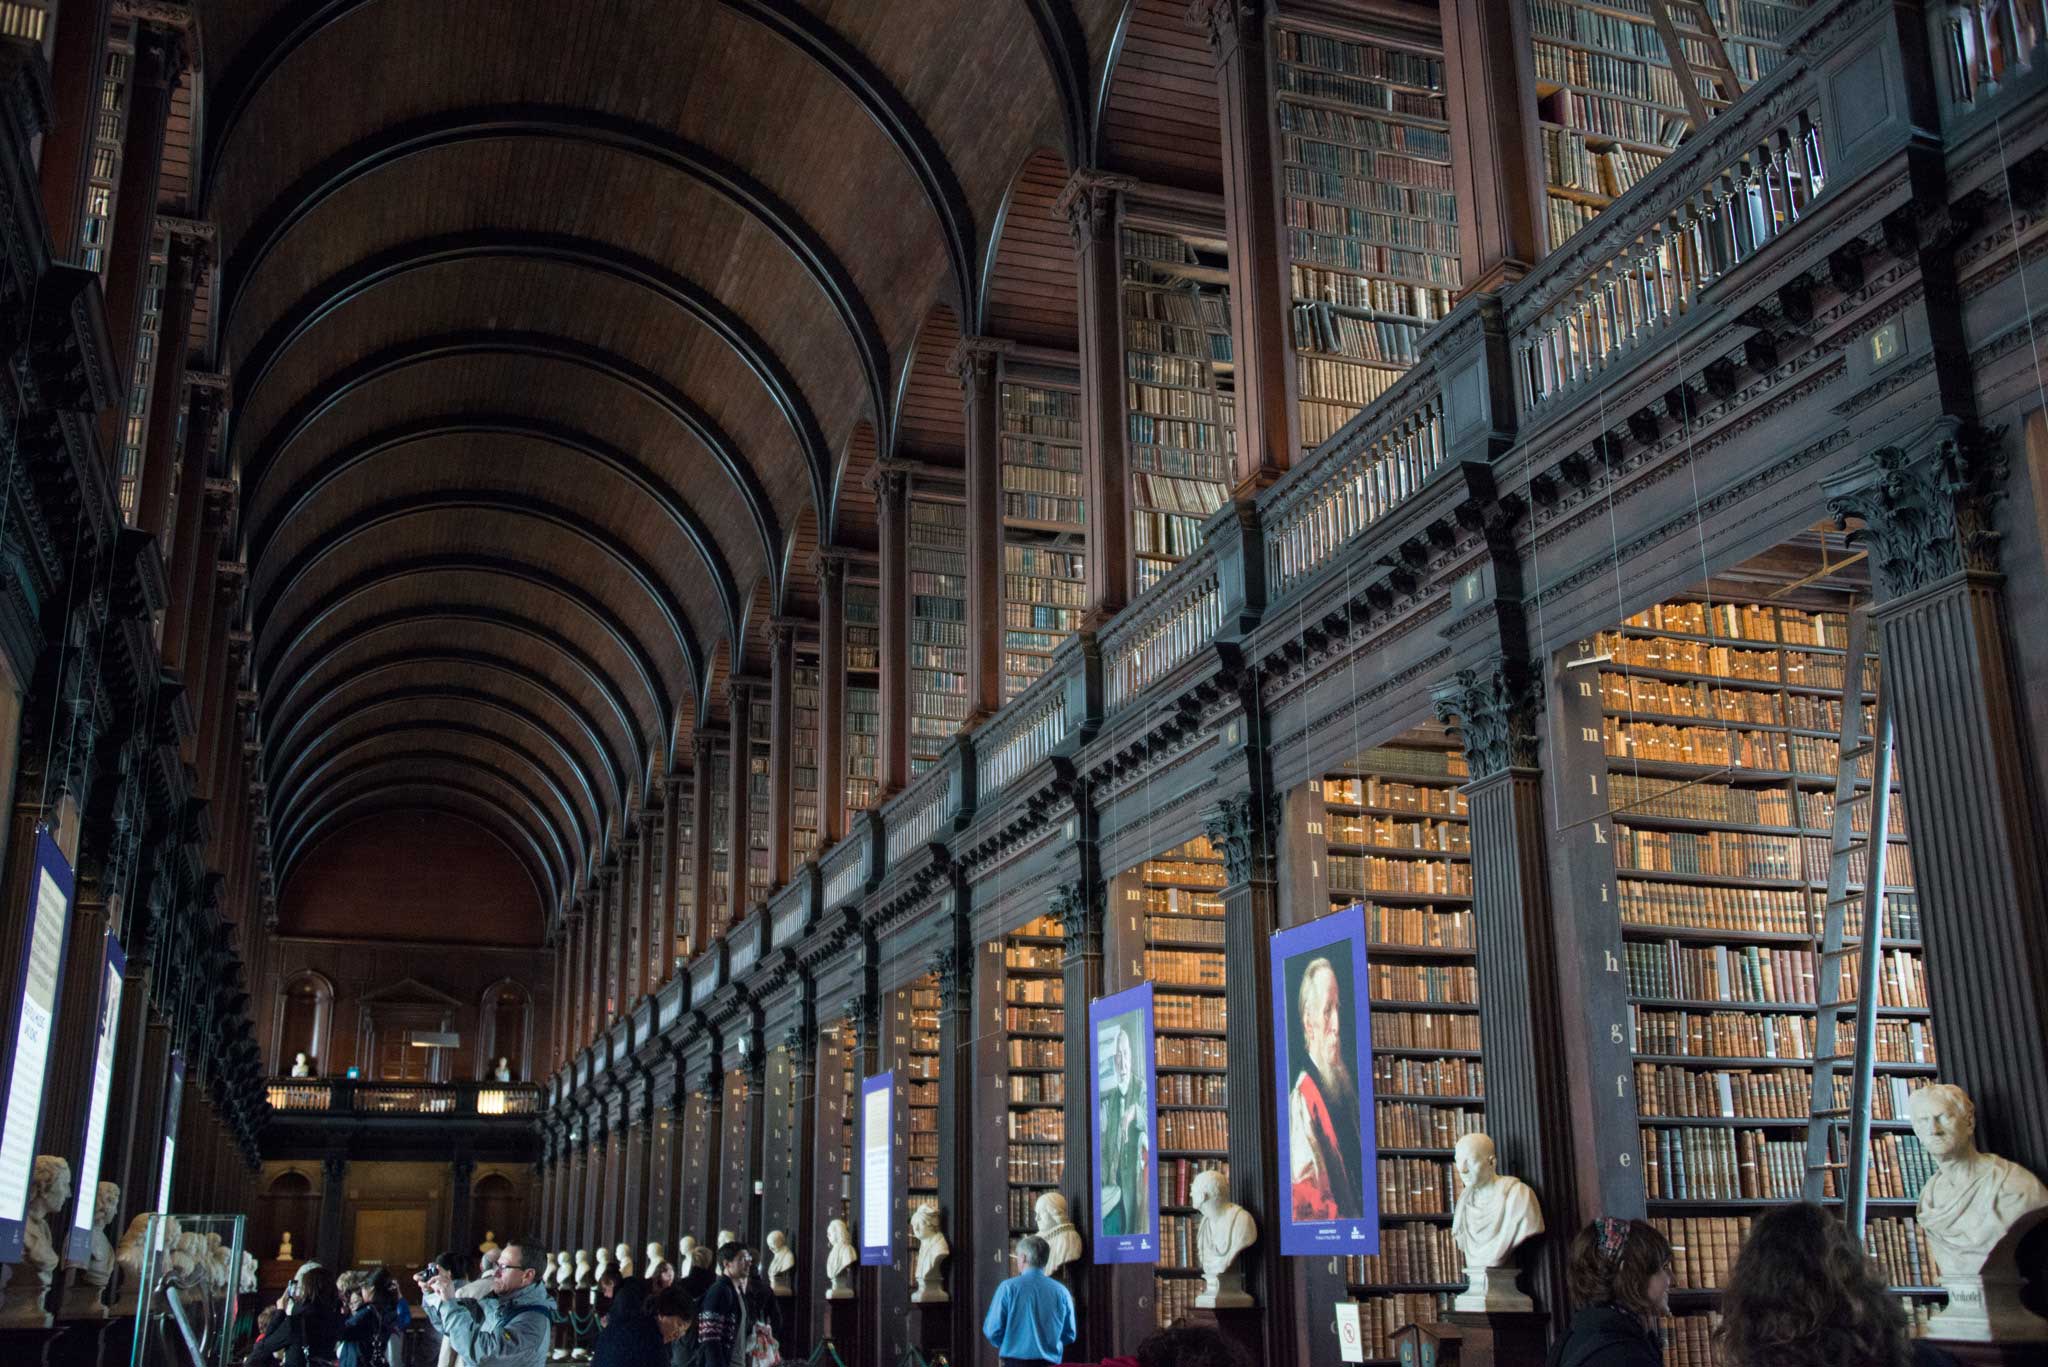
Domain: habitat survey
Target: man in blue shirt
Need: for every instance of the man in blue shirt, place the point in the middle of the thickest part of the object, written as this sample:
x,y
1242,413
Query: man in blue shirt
x,y
1031,1319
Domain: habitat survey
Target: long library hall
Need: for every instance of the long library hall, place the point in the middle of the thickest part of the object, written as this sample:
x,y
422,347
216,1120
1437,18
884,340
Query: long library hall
x,y
970,683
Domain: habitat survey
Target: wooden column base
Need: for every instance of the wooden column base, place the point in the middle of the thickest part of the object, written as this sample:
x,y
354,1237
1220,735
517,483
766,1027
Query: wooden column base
x,y
930,1327
1244,1326
1501,1338
842,1327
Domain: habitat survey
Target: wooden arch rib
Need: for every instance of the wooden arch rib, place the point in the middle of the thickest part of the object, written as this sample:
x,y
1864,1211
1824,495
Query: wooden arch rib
x,y
1157,114
395,439
344,287
586,726
514,814
461,773
1030,292
798,582
1065,49
459,803
435,743
682,748
754,630
480,702
844,63
368,520
931,419
855,518
305,415
536,577
553,644
712,704
577,126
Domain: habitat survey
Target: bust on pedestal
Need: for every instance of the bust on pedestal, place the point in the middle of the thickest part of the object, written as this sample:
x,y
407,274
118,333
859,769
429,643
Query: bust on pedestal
x,y
781,1263
1226,1230
582,1269
622,1259
490,1243
927,1272
85,1297
1495,1215
128,1262
503,1072
1974,1211
300,1067
1056,1226
841,1257
28,1282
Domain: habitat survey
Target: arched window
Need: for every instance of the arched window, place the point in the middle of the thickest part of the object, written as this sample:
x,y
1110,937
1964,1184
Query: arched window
x,y
504,1029
289,1206
307,1022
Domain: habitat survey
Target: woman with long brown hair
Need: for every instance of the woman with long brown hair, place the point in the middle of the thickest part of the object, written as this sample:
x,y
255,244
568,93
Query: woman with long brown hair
x,y
1620,1275
1803,1294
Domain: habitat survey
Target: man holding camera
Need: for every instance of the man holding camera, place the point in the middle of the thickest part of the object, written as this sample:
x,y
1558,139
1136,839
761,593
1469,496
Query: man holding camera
x,y
518,1316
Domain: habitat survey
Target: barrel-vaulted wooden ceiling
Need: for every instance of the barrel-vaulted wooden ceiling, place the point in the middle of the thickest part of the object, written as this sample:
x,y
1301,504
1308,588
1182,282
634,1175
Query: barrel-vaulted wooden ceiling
x,y
552,324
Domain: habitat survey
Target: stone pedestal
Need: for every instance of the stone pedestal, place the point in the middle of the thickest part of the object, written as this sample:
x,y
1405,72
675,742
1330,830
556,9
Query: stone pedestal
x,y
1987,1309
1243,1325
842,1325
1491,1290
930,1327
1501,1338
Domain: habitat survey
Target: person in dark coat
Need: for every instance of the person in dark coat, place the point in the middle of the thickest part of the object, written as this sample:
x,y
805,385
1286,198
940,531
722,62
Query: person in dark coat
x,y
1803,1293
698,1277
363,1332
312,1319
630,1337
1620,1274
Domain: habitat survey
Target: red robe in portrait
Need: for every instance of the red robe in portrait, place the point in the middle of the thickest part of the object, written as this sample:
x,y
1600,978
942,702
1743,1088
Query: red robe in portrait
x,y
1325,1187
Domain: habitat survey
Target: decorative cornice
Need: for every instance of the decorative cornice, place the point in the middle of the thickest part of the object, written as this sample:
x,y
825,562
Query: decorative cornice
x,y
1498,709
976,358
1233,827
1070,905
1926,519
1088,204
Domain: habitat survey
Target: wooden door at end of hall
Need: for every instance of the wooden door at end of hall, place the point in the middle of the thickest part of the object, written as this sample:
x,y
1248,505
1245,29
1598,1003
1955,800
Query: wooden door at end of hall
x,y
395,1236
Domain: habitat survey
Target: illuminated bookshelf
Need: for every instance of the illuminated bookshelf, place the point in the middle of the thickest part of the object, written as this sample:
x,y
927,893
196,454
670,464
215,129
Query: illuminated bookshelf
x,y
863,653
1043,526
1178,391
937,541
720,908
1034,1029
760,879
1399,844
803,808
683,868
1370,214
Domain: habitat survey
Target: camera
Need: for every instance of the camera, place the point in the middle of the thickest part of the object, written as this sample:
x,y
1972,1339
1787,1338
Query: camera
x,y
430,1272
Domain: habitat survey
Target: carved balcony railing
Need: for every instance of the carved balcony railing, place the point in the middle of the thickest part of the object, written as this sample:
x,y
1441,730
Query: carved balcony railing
x,y
844,870
1022,734
1163,630
1364,473
914,816
1621,286
1989,47
357,1098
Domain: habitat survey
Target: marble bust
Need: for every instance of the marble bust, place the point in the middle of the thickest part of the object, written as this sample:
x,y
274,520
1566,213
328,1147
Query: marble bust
x,y
781,1263
686,1251
247,1286
582,1268
600,1268
284,1248
128,1259
1226,1230
28,1284
841,1257
1974,1210
503,1072
656,1256
725,1236
927,1271
565,1272
1057,1228
490,1243
83,1299
300,1067
622,1258
1494,1216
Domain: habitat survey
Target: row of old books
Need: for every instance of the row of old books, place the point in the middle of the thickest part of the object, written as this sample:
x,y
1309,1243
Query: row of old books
x,y
1736,621
1719,1164
1037,1088
1639,795
1416,1186
1689,657
1748,1034
1723,854
1712,745
1393,833
1784,911
1673,698
1188,1013
1417,927
1191,1089
1409,1254
1393,795
1416,1125
1754,1093
1202,1131
1037,1053
1729,973
1378,873
1447,983
1402,1076
1177,1177
1426,1030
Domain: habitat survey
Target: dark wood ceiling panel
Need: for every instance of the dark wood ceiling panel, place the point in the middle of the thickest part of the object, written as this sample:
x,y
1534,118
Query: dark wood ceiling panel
x,y
857,526
931,423
1033,295
799,575
174,186
391,876
760,615
1161,119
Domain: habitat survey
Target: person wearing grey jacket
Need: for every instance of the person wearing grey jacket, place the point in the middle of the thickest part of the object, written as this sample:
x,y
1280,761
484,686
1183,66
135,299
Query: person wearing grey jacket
x,y
518,1318
473,1292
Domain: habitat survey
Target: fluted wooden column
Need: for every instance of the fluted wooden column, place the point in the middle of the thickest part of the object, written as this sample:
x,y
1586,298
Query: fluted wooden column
x,y
739,808
1496,163
159,61
1261,291
78,63
1966,763
892,499
1089,204
978,362
184,274
831,700
705,744
781,743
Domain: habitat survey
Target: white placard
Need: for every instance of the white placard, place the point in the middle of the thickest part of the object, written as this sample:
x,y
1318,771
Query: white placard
x,y
1350,1337
104,1043
874,1159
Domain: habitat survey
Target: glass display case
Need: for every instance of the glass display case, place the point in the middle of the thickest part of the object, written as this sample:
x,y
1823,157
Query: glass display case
x,y
191,1291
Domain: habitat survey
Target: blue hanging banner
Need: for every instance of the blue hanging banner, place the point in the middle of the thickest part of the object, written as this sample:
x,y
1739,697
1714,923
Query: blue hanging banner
x,y
1126,1113
45,935
104,1042
877,1140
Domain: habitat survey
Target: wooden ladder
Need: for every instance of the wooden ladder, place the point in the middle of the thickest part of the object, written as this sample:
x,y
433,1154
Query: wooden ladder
x,y
1715,70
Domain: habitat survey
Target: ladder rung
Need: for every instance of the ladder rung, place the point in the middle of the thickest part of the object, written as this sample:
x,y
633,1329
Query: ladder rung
x,y
1842,953
1828,1111
1830,1060
1827,1167
1856,752
1860,795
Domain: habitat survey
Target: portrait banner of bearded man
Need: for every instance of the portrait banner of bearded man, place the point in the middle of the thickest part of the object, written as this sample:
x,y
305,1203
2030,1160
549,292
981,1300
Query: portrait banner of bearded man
x,y
1126,1122
1321,1043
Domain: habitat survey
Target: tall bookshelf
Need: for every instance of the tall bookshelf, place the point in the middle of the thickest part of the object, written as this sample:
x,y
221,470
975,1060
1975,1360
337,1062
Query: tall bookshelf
x,y
719,910
110,131
845,1041
1179,390
915,1011
1372,220
1399,845
683,868
1035,1051
760,878
1610,105
1183,957
937,539
136,420
1044,526
803,809
863,653
1720,722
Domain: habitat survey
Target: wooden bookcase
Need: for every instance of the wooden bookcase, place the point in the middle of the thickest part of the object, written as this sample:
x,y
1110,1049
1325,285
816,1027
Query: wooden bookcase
x,y
937,540
719,911
1720,723
1181,953
1044,521
803,808
1371,218
1397,841
914,1053
683,868
863,694
1034,1061
1178,390
1609,103
760,880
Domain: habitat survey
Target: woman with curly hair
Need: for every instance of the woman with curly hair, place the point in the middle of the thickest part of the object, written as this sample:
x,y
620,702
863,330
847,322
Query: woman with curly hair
x,y
1803,1294
1620,1275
